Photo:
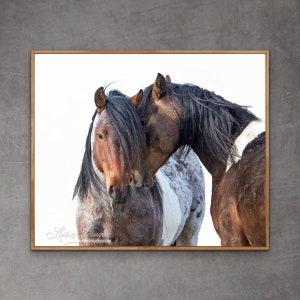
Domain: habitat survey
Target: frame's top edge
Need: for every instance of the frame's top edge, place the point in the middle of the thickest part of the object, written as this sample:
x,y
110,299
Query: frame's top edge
x,y
149,51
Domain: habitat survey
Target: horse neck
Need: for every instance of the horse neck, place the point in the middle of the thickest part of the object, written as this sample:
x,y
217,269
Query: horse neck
x,y
213,165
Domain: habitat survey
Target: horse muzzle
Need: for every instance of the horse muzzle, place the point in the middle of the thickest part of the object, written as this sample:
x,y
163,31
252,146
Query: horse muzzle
x,y
118,196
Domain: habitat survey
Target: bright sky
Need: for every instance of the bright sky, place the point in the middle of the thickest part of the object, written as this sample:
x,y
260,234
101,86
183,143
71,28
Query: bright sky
x,y
64,103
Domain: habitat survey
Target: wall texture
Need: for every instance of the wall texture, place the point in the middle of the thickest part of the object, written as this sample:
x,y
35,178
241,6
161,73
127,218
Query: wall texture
x,y
139,24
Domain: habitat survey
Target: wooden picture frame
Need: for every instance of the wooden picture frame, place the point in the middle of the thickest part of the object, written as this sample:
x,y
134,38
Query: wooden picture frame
x,y
63,83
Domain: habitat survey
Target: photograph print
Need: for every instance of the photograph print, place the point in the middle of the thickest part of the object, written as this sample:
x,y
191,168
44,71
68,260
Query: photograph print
x,y
149,150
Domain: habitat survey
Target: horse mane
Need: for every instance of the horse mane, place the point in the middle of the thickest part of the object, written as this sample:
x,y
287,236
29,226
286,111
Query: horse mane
x,y
206,118
124,119
88,180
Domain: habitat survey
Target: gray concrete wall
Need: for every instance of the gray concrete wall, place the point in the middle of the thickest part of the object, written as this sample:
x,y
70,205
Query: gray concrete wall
x,y
172,24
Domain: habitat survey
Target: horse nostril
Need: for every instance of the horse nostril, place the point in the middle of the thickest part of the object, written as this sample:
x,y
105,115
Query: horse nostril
x,y
132,182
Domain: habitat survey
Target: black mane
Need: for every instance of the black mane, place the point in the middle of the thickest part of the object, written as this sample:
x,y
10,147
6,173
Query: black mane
x,y
124,119
207,118
88,180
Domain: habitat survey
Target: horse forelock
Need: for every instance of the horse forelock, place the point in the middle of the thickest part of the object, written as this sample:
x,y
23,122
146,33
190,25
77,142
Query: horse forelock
x,y
126,123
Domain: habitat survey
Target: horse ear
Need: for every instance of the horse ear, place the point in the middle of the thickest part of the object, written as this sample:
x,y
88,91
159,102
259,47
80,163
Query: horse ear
x,y
136,100
100,99
159,87
168,79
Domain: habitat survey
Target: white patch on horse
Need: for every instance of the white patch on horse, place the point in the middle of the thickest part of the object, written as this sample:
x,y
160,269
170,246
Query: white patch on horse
x,y
171,211
251,132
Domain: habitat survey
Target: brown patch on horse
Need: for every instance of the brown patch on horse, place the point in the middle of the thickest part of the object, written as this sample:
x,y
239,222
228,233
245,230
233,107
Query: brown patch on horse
x,y
252,204
238,206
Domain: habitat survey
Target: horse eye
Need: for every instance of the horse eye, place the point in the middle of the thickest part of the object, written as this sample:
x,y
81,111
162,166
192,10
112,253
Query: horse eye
x,y
100,136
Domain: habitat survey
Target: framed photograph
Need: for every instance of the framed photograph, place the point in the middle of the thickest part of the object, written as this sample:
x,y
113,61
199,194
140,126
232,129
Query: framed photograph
x,y
150,150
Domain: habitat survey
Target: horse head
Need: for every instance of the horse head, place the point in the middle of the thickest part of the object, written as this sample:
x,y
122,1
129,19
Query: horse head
x,y
116,140
161,124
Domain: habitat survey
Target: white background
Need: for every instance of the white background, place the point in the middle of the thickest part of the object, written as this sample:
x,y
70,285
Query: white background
x,y
64,104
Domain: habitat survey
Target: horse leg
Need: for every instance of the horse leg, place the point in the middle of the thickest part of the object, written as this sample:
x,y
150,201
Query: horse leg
x,y
190,232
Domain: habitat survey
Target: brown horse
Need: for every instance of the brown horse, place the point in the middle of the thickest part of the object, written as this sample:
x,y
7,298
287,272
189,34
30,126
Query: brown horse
x,y
228,139
109,211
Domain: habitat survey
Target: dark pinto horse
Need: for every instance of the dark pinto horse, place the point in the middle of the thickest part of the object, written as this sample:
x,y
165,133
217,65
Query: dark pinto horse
x,y
110,212
228,139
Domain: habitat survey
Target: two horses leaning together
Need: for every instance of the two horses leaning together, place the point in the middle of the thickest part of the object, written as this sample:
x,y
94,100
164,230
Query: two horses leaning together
x,y
141,181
